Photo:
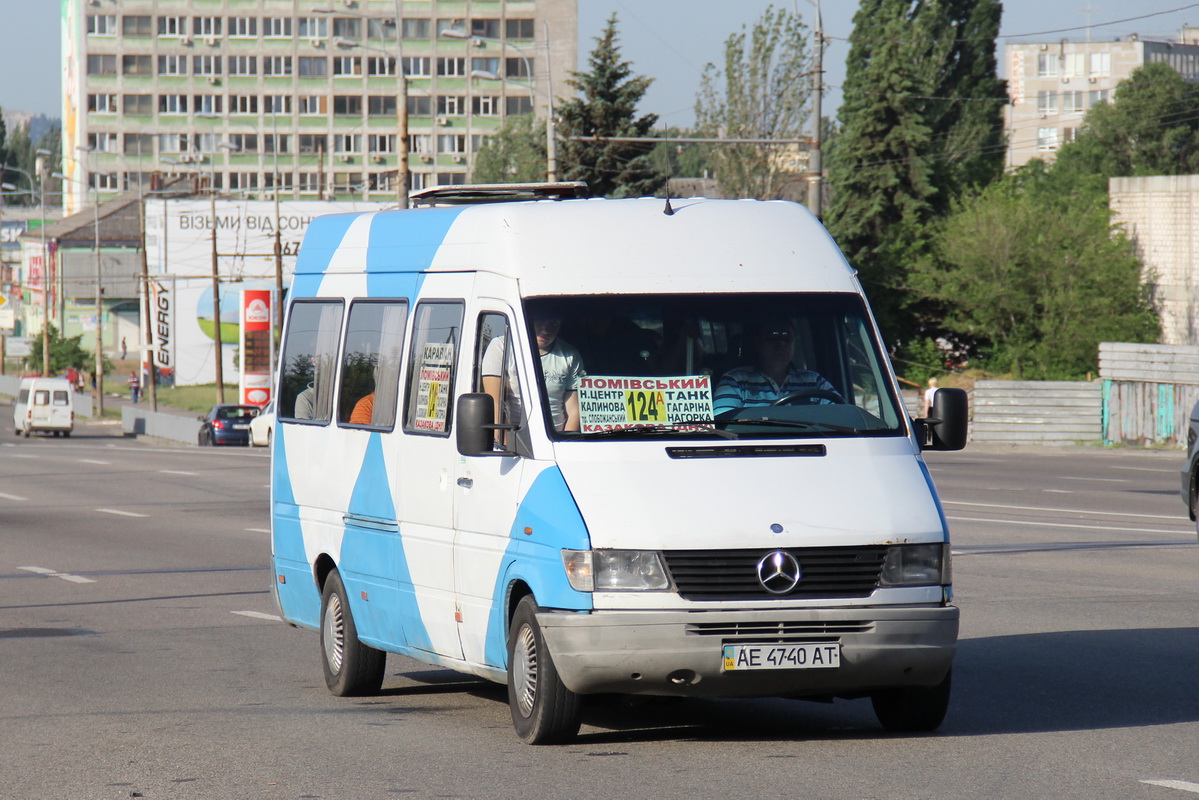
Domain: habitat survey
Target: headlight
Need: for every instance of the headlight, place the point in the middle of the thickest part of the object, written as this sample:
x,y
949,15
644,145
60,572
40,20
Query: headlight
x,y
614,570
916,565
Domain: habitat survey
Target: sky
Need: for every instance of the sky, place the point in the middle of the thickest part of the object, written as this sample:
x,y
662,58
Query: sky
x,y
667,40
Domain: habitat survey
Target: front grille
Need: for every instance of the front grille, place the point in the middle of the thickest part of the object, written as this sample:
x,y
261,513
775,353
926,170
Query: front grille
x,y
733,574
779,632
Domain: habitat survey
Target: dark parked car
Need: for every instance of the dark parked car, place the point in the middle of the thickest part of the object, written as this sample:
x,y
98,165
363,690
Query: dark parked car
x,y
227,424
1190,468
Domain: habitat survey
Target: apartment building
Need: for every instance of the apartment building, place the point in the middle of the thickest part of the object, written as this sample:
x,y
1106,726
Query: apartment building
x,y
299,99
1051,85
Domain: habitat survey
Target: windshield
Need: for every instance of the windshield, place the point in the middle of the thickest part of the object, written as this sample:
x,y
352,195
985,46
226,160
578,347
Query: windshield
x,y
711,365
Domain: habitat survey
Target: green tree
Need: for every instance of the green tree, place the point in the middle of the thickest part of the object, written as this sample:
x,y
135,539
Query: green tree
x,y
1035,298
607,108
514,155
762,93
920,123
64,354
1151,127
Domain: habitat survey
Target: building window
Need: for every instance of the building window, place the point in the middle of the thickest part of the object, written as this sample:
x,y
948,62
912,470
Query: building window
x,y
485,27
313,67
312,105
137,65
521,68
384,29
276,104
417,66
451,143
381,105
384,181
102,24
137,26
421,144
485,106
1098,96
139,104
1074,65
276,65
1046,102
276,143
518,29
281,180
243,65
489,65
172,65
347,65
102,142
1073,102
381,142
347,143
1046,138
276,28
208,104
169,143
1046,65
102,103
477,142
102,65
376,65
139,144
243,27
206,65
172,26
1069,135
312,28
347,27
204,143
308,182
243,104
107,182
206,26
172,104
517,106
420,106
455,25
1101,65
243,180
311,144
451,106
347,105
451,67
415,28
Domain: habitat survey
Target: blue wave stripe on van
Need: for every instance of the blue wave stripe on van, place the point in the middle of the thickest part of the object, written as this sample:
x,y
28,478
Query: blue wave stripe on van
x,y
298,598
932,490
549,509
406,241
324,236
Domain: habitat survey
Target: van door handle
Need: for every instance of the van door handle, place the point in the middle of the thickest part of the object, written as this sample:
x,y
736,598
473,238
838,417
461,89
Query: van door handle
x,y
466,483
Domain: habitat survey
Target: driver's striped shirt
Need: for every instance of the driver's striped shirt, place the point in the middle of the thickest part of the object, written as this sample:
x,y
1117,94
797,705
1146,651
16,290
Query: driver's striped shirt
x,y
747,386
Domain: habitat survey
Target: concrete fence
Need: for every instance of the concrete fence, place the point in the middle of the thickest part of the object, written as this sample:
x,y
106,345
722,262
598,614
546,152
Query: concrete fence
x,y
1037,412
138,421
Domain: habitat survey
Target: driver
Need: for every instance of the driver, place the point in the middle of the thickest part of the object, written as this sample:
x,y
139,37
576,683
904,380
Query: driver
x,y
774,374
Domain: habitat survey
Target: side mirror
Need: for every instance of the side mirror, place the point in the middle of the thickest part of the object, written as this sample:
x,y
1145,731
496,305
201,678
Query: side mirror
x,y
475,416
947,423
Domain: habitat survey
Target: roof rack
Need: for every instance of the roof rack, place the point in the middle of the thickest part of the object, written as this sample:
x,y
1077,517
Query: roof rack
x,y
498,193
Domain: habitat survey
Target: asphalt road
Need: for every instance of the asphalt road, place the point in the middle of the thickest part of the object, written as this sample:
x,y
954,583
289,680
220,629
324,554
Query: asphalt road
x,y
141,656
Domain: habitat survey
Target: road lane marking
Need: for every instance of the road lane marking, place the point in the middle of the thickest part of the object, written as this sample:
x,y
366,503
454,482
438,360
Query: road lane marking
x,y
1184,786
1149,469
1100,480
1057,510
94,461
49,573
16,497
258,615
258,530
120,513
177,472
1057,491
1065,525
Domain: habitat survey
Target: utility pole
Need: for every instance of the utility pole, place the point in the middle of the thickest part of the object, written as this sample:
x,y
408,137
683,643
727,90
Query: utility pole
x,y
216,297
815,165
148,354
403,179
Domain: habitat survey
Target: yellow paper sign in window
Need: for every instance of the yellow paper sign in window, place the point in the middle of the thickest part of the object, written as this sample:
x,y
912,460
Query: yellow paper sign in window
x,y
644,405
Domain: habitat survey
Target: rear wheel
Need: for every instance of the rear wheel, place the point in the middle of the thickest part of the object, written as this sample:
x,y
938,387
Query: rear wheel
x,y
351,667
913,708
544,711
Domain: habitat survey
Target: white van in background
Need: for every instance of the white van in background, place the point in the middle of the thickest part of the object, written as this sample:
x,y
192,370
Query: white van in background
x,y
525,440
44,404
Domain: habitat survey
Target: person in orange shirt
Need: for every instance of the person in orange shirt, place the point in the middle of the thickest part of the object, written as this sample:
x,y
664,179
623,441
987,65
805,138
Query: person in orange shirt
x,y
364,409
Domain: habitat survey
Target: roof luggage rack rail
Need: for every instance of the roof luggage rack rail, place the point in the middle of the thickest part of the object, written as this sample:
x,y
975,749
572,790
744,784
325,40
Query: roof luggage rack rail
x,y
466,194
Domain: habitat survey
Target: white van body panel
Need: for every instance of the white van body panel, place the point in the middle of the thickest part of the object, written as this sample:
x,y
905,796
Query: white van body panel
x,y
55,415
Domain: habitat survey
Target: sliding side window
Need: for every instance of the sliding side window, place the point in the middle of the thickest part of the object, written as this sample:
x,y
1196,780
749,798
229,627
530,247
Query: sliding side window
x,y
309,366
370,367
436,334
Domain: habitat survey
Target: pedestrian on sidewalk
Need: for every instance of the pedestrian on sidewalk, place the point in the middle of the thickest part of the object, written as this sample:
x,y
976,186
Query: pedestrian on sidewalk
x,y
135,386
124,352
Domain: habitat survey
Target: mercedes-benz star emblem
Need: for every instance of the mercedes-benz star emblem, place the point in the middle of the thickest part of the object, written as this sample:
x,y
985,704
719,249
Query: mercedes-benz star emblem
x,y
778,572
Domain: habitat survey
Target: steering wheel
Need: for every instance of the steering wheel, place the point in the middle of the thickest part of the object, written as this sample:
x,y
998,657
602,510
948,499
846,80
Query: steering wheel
x,y
808,394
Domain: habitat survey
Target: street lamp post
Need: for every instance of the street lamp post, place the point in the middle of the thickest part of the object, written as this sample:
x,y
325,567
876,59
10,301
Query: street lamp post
x,y
551,145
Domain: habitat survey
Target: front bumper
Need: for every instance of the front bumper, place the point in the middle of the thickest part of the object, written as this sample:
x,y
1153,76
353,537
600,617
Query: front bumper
x,y
679,652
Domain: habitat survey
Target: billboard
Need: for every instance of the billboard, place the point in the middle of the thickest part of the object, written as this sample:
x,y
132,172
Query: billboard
x,y
181,237
257,347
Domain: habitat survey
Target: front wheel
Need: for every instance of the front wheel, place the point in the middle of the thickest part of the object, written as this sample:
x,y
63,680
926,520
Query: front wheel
x,y
544,711
351,667
913,709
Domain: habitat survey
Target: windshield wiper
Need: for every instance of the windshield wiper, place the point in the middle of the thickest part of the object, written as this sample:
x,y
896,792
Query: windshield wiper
x,y
670,429
787,423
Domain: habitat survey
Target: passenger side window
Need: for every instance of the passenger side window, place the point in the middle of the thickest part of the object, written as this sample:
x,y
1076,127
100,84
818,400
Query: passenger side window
x,y
431,361
370,366
309,364
60,397
496,374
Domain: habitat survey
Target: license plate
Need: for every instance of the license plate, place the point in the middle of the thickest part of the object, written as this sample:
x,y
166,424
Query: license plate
x,y
739,657
241,426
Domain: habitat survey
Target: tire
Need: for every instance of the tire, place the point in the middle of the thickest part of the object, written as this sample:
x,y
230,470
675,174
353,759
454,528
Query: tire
x,y
203,440
913,709
544,711
27,433
351,668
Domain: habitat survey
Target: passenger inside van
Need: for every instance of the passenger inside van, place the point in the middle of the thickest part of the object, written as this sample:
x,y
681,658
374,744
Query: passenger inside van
x,y
773,376
561,369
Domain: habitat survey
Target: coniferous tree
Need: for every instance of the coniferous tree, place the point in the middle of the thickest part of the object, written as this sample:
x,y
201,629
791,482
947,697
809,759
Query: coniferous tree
x,y
608,107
